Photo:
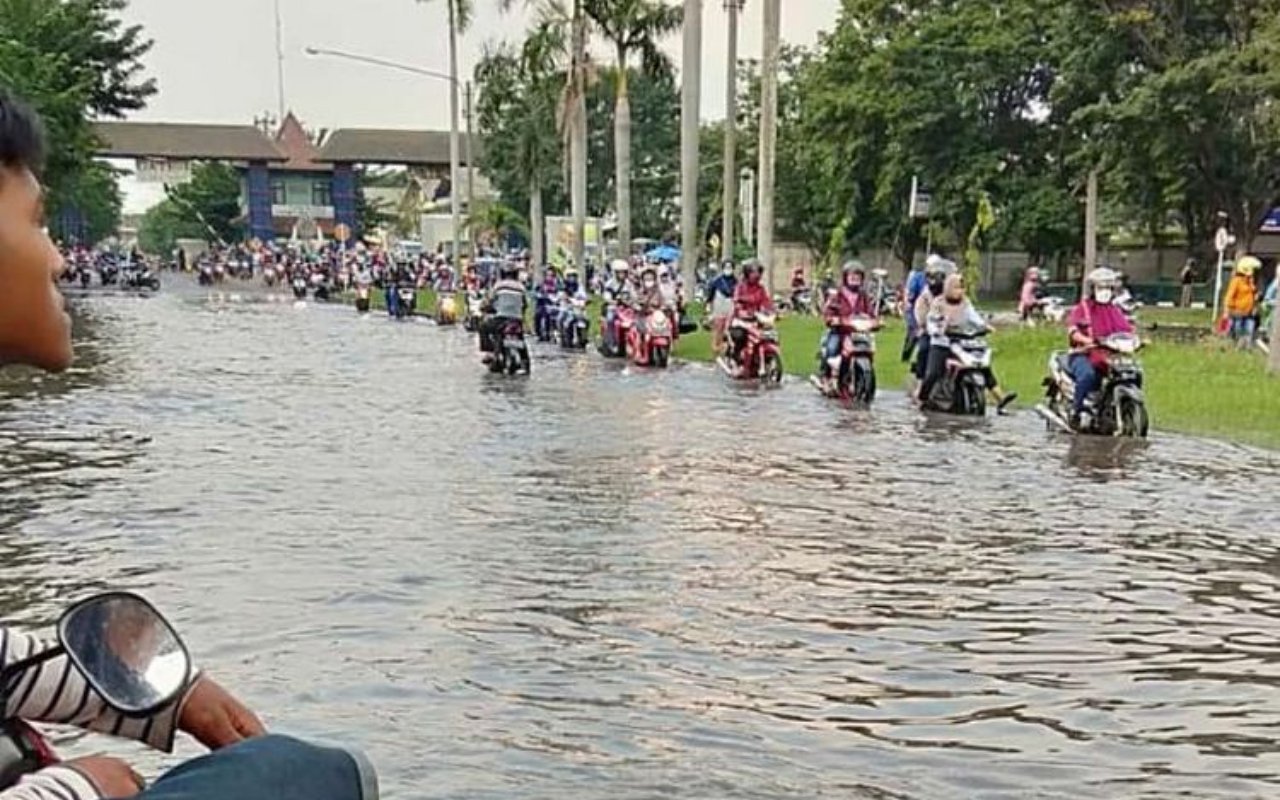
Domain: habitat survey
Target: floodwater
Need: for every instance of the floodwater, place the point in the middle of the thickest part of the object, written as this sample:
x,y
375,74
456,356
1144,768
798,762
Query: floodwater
x,y
599,583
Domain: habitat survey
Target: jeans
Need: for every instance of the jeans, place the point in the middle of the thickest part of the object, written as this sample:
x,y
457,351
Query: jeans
x,y
269,768
829,350
1242,327
1086,378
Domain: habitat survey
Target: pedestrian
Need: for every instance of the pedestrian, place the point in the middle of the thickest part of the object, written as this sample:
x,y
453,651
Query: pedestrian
x,y
916,284
1242,301
1187,277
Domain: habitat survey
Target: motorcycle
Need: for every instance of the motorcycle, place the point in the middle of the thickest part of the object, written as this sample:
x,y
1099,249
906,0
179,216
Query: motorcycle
x,y
615,329
320,287
801,300
761,356
127,652
474,312
362,299
269,276
963,389
1050,309
407,298
299,285
1118,408
139,278
853,373
446,310
85,277
511,355
652,347
544,318
574,325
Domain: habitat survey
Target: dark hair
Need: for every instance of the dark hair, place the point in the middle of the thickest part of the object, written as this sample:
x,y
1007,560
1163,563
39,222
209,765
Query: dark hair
x,y
21,134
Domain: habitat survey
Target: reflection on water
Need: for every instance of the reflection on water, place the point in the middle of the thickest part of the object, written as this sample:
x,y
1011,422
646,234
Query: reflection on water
x,y
602,583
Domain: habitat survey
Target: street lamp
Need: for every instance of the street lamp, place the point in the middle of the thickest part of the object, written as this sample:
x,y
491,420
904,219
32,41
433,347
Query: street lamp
x,y
430,73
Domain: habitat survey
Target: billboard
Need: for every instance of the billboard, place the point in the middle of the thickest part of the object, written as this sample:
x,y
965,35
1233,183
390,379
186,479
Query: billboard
x,y
166,171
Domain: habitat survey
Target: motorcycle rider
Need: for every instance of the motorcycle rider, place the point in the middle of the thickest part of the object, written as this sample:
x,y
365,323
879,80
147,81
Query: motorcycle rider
x,y
936,270
749,299
720,304
949,311
1094,319
35,330
506,302
850,300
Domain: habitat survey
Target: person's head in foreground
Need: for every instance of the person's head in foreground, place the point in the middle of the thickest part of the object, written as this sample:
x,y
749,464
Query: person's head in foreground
x,y
34,326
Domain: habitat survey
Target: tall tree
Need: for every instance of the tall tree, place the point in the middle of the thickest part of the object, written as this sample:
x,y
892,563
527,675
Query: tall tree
x,y
460,14
630,26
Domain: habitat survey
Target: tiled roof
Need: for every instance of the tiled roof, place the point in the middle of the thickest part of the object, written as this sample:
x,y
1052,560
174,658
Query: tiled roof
x,y
185,141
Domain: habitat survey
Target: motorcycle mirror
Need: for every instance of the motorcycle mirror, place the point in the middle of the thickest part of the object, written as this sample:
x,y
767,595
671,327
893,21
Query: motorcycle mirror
x,y
127,650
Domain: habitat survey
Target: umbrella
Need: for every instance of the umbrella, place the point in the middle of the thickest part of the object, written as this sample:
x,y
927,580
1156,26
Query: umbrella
x,y
664,252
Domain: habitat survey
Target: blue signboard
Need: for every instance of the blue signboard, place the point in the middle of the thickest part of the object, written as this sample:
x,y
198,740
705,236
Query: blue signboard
x,y
1272,222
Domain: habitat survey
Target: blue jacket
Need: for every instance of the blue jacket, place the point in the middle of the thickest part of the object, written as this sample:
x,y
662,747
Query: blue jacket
x,y
916,284
721,284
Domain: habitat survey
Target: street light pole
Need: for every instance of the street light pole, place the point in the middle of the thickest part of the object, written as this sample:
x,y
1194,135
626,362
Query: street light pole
x,y
279,62
690,104
471,177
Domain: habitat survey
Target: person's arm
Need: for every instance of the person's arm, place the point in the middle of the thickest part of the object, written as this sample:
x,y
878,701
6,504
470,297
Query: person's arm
x,y
61,782
55,691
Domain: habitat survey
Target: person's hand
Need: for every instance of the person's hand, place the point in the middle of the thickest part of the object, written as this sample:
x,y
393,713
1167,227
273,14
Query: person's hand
x,y
216,718
112,777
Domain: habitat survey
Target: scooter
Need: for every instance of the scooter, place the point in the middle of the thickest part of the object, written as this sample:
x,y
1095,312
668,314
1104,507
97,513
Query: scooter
x,y
362,299
761,356
446,310
299,285
852,370
511,355
963,390
125,650
1118,408
574,325
139,278
615,329
475,301
544,318
652,347
269,276
407,298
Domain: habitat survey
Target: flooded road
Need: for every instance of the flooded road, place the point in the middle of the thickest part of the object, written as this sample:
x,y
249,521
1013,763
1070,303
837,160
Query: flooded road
x,y
601,584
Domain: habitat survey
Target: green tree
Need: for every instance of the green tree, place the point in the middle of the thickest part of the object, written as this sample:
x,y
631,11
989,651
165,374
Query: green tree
x,y
211,201
73,60
631,26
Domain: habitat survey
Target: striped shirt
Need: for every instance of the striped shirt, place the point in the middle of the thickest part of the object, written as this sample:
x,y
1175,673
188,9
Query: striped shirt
x,y
55,691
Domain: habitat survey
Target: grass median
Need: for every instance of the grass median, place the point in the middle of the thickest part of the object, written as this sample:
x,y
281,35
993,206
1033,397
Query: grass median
x,y
1196,385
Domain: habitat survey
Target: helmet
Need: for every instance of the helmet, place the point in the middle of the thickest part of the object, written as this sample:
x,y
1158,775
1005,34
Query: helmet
x,y
1101,284
938,266
852,268
571,272
620,265
1247,265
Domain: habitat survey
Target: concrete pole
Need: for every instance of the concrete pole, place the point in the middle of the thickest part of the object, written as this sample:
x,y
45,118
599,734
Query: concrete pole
x,y
471,176
730,179
455,206
578,140
768,133
280,63
1273,359
1090,231
690,108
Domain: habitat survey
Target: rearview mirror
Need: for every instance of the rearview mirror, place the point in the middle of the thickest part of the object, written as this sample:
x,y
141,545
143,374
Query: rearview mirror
x,y
127,651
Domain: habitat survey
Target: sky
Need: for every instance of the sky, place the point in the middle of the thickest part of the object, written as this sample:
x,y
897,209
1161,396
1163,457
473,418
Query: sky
x,y
215,60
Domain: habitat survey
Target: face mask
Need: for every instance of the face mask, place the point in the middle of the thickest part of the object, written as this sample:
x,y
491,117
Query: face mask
x,y
854,286
935,287
649,284
727,271
1103,296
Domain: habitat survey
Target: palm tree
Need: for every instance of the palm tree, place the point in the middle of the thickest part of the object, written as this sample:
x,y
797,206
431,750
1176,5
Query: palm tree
x,y
631,26
460,14
572,113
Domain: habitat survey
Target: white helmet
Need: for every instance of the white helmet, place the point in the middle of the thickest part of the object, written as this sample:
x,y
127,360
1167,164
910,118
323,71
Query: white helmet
x,y
620,265
1102,283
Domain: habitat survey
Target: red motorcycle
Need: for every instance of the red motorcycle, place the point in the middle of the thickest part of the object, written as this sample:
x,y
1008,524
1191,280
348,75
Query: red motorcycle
x,y
652,347
852,370
761,356
613,343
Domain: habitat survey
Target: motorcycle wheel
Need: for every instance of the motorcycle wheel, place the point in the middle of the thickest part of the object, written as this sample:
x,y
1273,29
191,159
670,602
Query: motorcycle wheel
x,y
1134,421
972,400
154,283
659,357
771,370
864,385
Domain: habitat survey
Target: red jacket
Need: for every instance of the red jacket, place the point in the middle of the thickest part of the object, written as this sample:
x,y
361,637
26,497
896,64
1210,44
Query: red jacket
x,y
750,299
845,303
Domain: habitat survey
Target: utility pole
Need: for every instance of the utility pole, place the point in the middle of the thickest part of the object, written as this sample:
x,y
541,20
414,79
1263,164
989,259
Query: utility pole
x,y
769,133
1090,231
279,63
454,201
730,180
471,178
690,108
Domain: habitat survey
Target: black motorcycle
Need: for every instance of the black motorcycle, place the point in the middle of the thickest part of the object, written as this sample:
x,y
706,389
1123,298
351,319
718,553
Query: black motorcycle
x,y
139,278
299,286
511,351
